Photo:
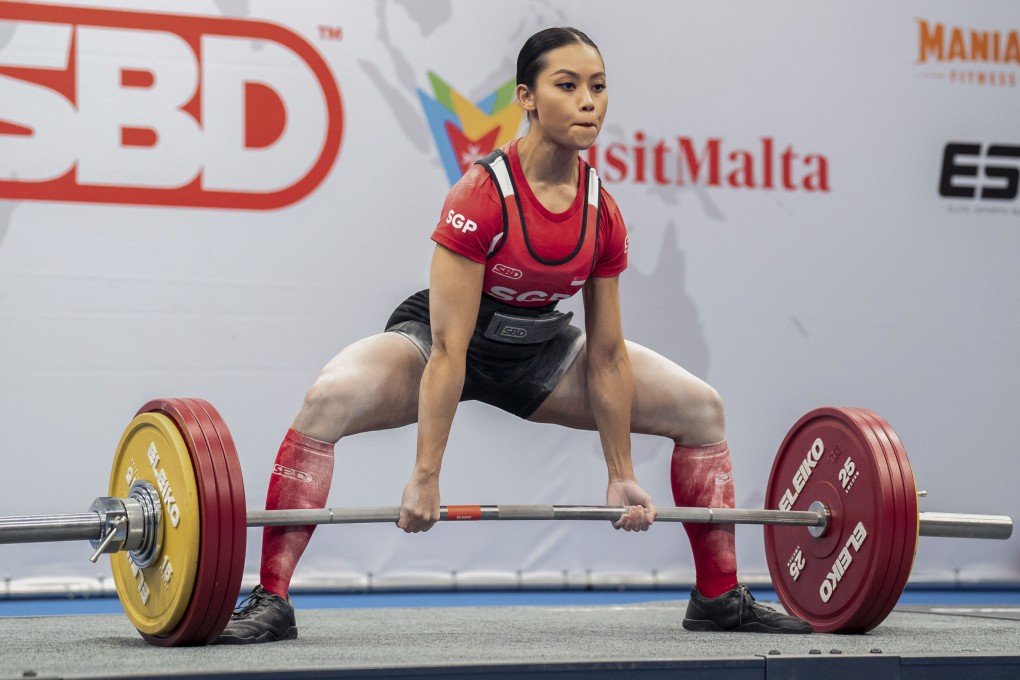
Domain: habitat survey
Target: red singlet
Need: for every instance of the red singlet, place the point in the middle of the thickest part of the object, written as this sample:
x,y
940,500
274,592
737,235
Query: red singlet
x,y
535,257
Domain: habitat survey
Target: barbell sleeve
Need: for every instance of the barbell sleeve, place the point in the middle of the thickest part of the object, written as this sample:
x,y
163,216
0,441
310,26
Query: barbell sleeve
x,y
956,525
84,526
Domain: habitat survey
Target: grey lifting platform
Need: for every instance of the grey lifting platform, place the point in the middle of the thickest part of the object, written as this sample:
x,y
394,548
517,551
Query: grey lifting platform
x,y
564,642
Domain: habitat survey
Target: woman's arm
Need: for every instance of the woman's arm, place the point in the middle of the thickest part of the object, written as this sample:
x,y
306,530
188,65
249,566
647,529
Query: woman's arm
x,y
610,393
455,290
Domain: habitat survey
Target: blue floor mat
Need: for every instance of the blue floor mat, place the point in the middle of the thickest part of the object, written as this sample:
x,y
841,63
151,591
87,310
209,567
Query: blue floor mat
x,y
111,605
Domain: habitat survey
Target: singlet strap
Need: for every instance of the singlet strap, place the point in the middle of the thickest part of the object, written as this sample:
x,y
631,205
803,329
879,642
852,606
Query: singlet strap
x,y
595,200
594,184
498,166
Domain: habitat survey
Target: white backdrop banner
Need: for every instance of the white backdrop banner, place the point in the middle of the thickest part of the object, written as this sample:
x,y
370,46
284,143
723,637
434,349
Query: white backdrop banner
x,y
211,199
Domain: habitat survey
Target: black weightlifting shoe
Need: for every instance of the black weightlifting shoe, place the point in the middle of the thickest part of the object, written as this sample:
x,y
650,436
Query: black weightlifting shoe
x,y
736,610
261,617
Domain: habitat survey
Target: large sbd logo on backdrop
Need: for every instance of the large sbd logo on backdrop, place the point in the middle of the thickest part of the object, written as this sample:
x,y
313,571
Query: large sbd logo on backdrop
x,y
109,106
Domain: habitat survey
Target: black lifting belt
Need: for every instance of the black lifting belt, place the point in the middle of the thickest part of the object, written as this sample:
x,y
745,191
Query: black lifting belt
x,y
526,330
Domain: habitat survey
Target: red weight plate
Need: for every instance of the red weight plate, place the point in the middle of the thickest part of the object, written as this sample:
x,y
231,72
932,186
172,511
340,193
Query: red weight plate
x,y
912,513
873,614
886,599
830,454
908,518
869,614
214,524
233,525
212,613
233,540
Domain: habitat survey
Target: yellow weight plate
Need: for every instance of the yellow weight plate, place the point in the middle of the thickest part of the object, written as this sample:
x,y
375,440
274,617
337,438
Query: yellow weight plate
x,y
152,449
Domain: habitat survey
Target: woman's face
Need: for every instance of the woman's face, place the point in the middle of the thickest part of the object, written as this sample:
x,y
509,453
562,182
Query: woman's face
x,y
569,100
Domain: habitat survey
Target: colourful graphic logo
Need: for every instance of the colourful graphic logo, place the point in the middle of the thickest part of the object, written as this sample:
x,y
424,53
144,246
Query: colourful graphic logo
x,y
465,131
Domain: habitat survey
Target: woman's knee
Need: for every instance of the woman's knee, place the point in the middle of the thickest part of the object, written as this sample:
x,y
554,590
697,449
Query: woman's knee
x,y
701,416
710,416
327,406
695,411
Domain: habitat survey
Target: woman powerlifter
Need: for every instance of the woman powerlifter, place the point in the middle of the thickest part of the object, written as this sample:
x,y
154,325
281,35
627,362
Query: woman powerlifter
x,y
525,227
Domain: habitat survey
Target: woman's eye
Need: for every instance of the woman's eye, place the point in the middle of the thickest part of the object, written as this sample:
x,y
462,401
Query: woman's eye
x,y
566,86
599,87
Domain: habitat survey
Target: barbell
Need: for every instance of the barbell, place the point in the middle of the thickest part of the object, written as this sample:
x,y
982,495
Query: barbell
x,y
841,524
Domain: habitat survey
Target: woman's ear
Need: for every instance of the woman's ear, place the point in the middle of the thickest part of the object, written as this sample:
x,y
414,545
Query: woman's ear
x,y
525,98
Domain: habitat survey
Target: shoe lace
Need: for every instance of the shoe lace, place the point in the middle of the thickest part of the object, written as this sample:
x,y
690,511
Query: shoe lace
x,y
748,605
249,604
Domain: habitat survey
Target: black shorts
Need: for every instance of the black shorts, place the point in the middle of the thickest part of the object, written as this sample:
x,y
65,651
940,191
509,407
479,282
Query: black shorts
x,y
515,378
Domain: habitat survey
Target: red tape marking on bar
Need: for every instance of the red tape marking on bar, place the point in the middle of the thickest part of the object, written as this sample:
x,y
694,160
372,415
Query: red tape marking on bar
x,y
463,512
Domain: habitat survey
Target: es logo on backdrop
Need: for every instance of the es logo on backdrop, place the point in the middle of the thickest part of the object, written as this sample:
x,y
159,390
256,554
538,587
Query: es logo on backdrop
x,y
113,106
973,170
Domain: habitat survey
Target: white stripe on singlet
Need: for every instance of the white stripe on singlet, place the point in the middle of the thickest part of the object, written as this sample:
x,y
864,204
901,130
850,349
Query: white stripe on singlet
x,y
593,188
502,172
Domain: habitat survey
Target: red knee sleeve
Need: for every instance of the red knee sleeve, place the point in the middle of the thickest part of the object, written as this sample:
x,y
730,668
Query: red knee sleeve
x,y
702,477
301,478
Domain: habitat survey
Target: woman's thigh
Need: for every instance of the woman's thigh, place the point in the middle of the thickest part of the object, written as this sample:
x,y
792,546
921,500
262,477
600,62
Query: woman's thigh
x,y
371,384
668,400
